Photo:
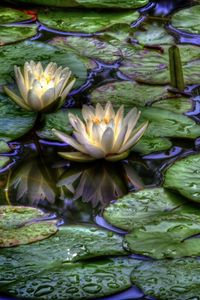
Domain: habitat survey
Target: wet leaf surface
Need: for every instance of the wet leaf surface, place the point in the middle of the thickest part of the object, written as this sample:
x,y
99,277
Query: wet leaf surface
x,y
187,19
14,34
10,15
184,176
148,145
91,21
90,3
58,120
169,279
19,53
18,225
14,121
151,65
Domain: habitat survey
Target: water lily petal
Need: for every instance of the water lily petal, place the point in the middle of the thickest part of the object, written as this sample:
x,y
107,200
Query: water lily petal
x,y
67,89
88,112
20,82
76,156
69,140
117,157
34,100
131,120
16,98
94,151
48,97
107,140
120,139
99,111
136,135
109,111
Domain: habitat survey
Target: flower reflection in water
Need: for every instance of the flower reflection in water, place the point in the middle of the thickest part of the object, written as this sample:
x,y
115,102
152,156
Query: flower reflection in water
x,y
99,183
31,185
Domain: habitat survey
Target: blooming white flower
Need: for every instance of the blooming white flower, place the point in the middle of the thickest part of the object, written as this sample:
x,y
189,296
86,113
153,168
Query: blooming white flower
x,y
41,89
102,134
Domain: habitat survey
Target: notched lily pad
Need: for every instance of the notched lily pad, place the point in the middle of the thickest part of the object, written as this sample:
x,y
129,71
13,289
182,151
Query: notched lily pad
x,y
187,19
19,225
14,34
19,53
184,176
140,208
169,279
148,145
91,21
10,15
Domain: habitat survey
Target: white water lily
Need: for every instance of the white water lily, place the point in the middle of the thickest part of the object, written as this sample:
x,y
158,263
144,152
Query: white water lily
x,y
41,89
102,134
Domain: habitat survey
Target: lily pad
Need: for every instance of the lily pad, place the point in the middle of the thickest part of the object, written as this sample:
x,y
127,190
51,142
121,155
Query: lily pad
x,y
19,53
169,279
91,21
153,34
4,148
72,243
19,225
58,120
171,237
13,34
187,19
143,207
151,144
91,47
14,122
10,15
133,94
165,123
184,176
152,66
124,4
4,161
59,280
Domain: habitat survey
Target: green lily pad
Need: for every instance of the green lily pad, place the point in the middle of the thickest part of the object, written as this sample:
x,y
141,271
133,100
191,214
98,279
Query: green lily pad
x,y
72,243
184,176
187,19
171,237
152,66
10,15
91,47
19,225
13,34
4,161
58,120
133,94
4,148
124,4
59,280
14,122
91,21
169,279
153,34
151,144
19,53
165,123
143,207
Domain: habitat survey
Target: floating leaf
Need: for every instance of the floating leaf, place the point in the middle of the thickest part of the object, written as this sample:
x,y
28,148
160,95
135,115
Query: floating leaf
x,y
4,148
169,279
133,94
151,144
59,280
184,176
14,34
58,120
165,123
19,225
137,209
10,15
11,55
124,4
187,19
152,66
91,21
14,122
153,34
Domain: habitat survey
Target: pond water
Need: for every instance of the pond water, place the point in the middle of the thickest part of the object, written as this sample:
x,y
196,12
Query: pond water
x,y
127,229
